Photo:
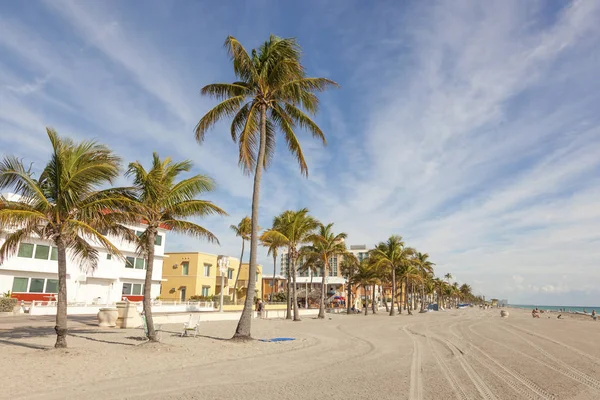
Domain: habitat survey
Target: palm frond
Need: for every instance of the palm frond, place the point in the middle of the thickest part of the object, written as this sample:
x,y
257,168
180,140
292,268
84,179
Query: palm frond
x,y
226,108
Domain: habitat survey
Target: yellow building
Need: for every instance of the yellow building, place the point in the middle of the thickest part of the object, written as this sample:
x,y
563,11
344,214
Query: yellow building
x,y
196,274
243,281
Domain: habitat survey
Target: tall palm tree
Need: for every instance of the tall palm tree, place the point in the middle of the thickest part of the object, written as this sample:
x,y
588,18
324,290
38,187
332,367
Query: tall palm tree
x,y
349,267
65,206
326,245
390,256
273,245
270,92
293,228
241,230
425,266
161,200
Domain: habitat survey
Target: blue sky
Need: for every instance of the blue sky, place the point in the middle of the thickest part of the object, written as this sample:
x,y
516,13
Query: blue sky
x,y
470,128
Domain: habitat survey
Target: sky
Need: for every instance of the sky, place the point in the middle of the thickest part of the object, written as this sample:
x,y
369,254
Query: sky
x,y
470,128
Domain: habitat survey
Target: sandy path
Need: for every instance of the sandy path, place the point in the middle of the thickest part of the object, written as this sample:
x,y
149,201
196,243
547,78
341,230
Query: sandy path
x,y
459,354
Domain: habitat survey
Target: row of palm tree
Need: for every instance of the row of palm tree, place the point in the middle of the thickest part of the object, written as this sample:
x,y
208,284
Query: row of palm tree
x,y
68,205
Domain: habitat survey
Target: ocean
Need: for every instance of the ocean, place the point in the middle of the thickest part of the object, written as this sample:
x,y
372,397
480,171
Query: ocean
x,y
557,308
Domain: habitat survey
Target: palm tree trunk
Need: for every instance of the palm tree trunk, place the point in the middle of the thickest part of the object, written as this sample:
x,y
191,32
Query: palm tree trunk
x,y
407,305
373,305
295,294
400,298
310,287
61,305
348,297
306,295
237,276
323,289
423,297
243,330
392,310
288,314
273,280
151,236
366,303
383,298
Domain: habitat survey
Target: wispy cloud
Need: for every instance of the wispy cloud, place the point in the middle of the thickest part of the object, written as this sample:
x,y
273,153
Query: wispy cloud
x,y
468,127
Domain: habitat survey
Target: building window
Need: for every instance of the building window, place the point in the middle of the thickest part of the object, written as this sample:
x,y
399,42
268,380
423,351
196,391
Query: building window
x,y
109,257
333,266
54,254
42,252
158,240
139,263
137,289
51,286
127,288
37,285
230,273
20,285
256,277
25,250
206,269
185,268
205,291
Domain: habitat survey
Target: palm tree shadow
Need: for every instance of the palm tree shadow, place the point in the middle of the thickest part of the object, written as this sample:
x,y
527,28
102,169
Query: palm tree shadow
x,y
100,340
28,345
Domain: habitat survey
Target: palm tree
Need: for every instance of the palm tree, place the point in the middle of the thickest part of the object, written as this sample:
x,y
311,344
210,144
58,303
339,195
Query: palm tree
x,y
326,245
293,228
273,245
270,92
163,201
349,267
310,265
365,276
448,277
242,230
466,292
65,206
426,268
390,256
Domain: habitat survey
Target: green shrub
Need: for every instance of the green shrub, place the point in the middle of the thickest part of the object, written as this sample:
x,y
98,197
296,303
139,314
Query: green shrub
x,y
7,304
279,297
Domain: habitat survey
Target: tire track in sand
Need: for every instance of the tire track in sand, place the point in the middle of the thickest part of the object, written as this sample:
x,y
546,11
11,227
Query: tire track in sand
x,y
518,382
416,381
483,389
560,367
453,381
573,349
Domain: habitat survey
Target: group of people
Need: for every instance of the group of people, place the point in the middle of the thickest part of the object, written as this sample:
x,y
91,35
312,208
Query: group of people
x,y
535,313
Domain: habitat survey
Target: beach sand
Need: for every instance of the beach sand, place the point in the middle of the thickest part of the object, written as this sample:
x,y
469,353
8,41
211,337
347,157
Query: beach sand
x,y
456,354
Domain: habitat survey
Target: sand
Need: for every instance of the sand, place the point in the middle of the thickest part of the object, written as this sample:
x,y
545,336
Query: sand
x,y
456,354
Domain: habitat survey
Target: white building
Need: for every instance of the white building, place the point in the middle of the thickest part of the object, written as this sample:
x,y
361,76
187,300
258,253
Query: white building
x,y
311,280
32,273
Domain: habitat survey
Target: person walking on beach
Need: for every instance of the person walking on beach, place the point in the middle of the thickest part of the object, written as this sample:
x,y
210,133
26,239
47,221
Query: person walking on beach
x,y
594,314
259,308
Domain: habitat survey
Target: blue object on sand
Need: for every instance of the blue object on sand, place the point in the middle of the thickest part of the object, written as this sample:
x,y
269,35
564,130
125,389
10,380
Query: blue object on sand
x,y
277,339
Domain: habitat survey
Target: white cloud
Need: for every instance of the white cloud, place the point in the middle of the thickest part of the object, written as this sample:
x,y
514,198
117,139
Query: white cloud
x,y
468,127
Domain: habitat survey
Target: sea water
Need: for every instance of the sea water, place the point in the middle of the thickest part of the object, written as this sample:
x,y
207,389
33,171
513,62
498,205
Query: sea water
x,y
578,309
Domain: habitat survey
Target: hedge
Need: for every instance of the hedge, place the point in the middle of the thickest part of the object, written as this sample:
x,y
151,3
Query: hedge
x,y
7,304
